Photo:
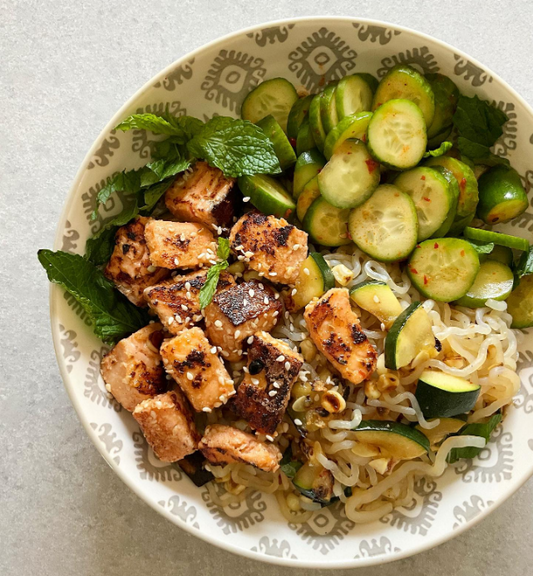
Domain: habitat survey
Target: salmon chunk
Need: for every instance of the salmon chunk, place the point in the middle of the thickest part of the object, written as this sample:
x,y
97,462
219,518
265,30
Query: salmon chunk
x,y
194,364
336,331
133,370
202,194
130,267
168,426
270,246
223,445
180,244
237,313
263,395
177,301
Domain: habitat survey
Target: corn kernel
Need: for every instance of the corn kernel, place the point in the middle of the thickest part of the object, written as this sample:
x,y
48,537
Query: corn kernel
x,y
380,465
333,402
293,502
371,390
342,274
308,350
388,381
301,389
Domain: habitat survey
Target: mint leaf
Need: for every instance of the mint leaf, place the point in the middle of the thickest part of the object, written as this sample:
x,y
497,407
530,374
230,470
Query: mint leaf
x,y
210,287
129,182
223,248
153,194
478,121
288,465
112,314
525,264
482,248
237,147
441,150
151,122
483,429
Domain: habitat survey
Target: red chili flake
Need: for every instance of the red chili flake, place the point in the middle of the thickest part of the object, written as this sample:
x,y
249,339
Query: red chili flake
x,y
423,178
426,198
462,252
364,138
414,270
418,245
349,235
435,245
462,184
425,280
293,142
371,165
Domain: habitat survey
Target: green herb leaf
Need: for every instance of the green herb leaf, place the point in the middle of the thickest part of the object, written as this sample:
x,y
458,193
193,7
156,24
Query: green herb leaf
x,y
237,147
440,151
482,248
112,314
223,249
210,287
288,465
483,429
183,128
129,182
525,264
478,121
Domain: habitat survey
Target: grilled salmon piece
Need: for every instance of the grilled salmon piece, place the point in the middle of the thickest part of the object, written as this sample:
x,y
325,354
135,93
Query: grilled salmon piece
x,y
336,331
223,445
130,267
177,301
168,426
203,194
180,244
133,370
270,246
237,313
263,395
194,364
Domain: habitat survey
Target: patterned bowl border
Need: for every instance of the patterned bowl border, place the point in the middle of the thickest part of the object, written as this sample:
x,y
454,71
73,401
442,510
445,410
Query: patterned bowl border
x,y
321,51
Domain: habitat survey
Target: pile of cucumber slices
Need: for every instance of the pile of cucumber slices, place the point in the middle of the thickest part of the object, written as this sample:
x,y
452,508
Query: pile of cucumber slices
x,y
357,168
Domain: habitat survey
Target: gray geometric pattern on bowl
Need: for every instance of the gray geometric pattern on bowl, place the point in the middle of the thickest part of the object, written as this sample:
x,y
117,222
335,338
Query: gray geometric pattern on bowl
x,y
213,81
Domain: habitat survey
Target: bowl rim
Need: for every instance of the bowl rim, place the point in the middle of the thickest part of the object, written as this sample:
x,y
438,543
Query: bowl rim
x,y
55,292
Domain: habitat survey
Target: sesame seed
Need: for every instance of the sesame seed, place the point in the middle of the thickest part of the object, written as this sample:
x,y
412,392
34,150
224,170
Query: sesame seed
x,y
184,308
291,326
187,285
293,291
176,261
170,320
197,317
275,313
280,358
317,397
245,302
259,266
251,292
272,273
237,333
296,247
239,353
190,376
306,271
276,384
272,393
212,262
217,404
240,258
245,370
250,340
298,422
276,295
188,319
269,438
225,354
287,314
218,323
232,393
246,199
255,381
178,318
249,254
261,286
206,409
221,380
376,299
188,294
182,237
287,365
265,300
213,350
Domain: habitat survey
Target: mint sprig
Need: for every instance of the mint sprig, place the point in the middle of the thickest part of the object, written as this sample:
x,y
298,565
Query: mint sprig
x,y
210,287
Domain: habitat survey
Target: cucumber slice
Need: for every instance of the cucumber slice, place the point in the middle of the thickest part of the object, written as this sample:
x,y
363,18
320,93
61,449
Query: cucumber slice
x,y
468,191
442,430
377,298
520,303
353,126
454,189
353,95
499,254
393,438
486,236
275,96
397,134
299,112
267,195
446,97
316,483
308,195
494,280
385,226
501,195
310,285
405,82
350,176
308,165
372,81
410,334
328,108
304,140
282,147
315,121
326,224
442,395
439,138
433,197
443,269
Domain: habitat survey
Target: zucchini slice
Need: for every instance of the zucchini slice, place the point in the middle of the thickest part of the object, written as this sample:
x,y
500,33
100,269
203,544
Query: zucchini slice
x,y
501,195
308,165
442,395
486,236
267,195
405,82
311,284
298,114
443,269
393,438
282,147
410,334
386,225
397,134
316,483
494,280
308,195
315,121
353,126
275,96
304,140
326,224
328,108
520,303
377,298
446,97
442,430
350,176
434,199
353,95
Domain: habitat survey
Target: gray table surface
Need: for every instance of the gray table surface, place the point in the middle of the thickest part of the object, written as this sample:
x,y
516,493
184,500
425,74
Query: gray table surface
x,y
65,68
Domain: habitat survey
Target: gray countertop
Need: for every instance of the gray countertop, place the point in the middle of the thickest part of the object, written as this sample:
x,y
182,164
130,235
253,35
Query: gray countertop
x,y
66,67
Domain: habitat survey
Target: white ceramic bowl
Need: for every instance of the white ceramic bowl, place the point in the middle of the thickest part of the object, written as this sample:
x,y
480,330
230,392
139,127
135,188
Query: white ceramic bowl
x,y
214,79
